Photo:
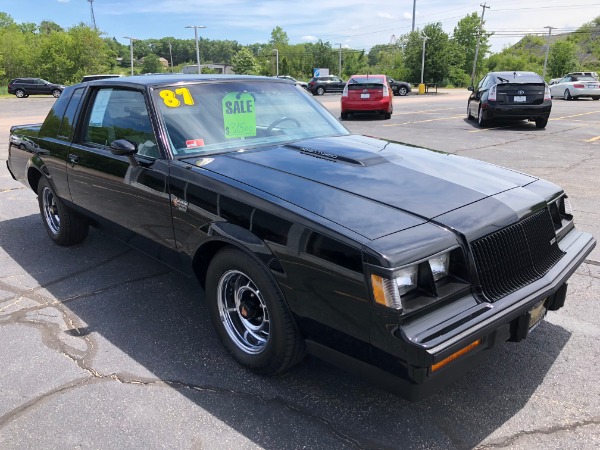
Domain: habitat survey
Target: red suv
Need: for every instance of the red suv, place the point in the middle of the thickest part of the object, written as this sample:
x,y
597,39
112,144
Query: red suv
x,y
367,94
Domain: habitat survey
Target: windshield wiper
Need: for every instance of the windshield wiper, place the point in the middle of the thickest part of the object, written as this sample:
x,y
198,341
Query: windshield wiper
x,y
504,80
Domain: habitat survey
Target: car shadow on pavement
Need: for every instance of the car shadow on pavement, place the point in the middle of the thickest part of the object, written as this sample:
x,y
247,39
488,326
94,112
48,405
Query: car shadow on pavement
x,y
509,125
140,322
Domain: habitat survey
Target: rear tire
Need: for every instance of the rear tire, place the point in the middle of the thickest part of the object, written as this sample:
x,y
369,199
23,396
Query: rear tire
x,y
541,123
345,116
480,120
320,90
596,98
64,225
387,115
250,314
20,93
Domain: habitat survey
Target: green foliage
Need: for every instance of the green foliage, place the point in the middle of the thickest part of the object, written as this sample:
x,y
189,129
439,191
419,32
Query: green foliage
x,y
151,64
465,37
562,59
244,63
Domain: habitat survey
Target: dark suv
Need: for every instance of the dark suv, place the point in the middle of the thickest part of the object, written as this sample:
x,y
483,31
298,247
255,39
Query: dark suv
x,y
24,87
320,85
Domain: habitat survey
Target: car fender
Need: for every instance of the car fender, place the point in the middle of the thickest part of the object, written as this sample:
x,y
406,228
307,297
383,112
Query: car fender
x,y
222,234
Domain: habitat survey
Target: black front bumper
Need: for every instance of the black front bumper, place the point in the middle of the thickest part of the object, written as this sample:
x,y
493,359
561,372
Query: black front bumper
x,y
403,356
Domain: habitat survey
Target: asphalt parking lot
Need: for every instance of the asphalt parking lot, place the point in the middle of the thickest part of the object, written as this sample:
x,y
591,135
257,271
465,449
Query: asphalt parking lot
x,y
102,347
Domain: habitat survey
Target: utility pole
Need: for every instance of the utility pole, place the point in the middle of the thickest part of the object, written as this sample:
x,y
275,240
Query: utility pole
x,y
484,6
422,86
547,49
277,61
93,17
413,16
340,74
131,50
171,54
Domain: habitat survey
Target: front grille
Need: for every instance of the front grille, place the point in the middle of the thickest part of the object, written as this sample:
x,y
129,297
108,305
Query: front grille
x,y
516,256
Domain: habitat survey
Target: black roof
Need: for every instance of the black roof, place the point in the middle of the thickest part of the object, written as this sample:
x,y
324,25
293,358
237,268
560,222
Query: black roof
x,y
172,78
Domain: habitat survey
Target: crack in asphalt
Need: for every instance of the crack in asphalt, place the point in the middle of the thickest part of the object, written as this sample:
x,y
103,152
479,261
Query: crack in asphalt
x,y
2,191
506,443
84,359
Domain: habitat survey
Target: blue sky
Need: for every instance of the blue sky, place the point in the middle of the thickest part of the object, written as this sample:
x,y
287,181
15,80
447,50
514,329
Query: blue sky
x,y
352,23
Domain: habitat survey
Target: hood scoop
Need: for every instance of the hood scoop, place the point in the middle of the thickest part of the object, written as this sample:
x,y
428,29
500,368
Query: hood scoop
x,y
368,159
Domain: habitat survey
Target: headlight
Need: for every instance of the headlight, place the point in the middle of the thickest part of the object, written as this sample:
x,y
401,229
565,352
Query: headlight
x,y
422,283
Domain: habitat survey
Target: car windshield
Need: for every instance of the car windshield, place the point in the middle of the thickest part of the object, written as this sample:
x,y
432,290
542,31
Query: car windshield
x,y
207,118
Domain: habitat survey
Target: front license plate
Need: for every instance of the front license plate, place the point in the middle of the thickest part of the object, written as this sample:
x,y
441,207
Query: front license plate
x,y
536,314
520,98
365,95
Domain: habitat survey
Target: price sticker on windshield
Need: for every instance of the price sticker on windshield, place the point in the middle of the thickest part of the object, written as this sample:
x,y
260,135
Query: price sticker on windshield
x,y
170,98
239,115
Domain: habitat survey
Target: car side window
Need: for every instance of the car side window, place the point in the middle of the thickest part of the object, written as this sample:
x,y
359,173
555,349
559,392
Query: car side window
x,y
66,124
120,114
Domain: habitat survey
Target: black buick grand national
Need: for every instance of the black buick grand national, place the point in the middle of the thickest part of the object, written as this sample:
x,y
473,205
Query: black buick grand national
x,y
400,263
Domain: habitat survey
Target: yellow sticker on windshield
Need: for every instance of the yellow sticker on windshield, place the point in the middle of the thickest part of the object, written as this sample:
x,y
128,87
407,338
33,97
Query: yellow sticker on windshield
x,y
239,116
170,97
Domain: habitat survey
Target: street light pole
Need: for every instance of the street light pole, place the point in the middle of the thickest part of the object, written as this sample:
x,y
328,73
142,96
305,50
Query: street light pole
x,y
277,61
423,57
340,59
413,16
547,50
131,50
195,27
171,54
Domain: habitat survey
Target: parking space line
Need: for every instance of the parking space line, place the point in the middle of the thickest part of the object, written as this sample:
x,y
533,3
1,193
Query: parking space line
x,y
425,111
423,121
593,139
575,115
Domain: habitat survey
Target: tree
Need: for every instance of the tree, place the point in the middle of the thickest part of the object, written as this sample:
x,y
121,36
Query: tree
x,y
47,26
562,58
151,64
244,63
465,36
436,54
279,37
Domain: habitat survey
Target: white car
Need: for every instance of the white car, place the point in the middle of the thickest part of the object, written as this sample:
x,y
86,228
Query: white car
x,y
572,87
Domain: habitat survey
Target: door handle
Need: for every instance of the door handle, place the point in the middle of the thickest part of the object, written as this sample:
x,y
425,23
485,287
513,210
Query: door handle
x,y
73,158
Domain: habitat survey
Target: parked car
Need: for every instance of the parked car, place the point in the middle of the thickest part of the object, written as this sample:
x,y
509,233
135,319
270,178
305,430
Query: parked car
x,y
321,85
399,87
510,95
573,87
405,264
302,84
99,77
367,94
24,87
587,74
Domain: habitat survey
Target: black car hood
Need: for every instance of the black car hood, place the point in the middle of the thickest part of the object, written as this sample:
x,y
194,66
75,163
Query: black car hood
x,y
370,186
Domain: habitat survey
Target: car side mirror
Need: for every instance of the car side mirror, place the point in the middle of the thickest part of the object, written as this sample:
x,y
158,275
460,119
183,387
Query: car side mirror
x,y
123,147
470,88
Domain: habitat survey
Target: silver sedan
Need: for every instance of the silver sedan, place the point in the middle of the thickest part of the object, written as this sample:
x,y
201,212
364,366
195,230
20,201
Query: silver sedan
x,y
572,87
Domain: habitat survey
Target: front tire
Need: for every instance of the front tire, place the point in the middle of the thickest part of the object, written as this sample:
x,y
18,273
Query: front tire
x,y
250,314
567,95
64,226
469,115
402,91
56,93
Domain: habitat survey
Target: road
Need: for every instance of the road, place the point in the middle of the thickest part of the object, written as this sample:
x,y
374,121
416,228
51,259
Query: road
x,y
103,347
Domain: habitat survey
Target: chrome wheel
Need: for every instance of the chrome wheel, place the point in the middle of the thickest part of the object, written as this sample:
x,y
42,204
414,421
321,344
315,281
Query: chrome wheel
x,y
50,209
243,312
